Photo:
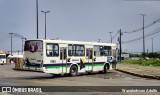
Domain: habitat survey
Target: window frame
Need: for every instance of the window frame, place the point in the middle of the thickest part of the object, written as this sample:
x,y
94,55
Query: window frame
x,y
26,49
101,52
56,44
104,52
107,51
75,49
71,52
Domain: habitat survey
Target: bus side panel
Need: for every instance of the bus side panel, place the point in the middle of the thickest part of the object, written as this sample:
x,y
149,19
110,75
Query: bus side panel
x,y
99,63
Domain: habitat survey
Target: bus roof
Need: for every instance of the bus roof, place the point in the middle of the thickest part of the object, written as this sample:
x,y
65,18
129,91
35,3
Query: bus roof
x,y
2,54
15,56
72,42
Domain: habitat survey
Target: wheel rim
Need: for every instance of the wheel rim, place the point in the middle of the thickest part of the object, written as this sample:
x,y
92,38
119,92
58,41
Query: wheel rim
x,y
74,71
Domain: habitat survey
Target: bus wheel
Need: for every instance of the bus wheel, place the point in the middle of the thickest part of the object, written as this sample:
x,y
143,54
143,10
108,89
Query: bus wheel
x,y
73,70
105,68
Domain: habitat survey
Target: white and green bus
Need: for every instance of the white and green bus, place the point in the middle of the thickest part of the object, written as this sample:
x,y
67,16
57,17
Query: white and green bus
x,y
3,59
68,57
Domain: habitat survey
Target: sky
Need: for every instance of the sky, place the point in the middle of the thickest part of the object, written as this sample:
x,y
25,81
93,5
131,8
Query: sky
x,y
80,20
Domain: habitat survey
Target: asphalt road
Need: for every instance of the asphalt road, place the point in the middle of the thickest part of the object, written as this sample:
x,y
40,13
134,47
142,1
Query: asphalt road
x,y
10,77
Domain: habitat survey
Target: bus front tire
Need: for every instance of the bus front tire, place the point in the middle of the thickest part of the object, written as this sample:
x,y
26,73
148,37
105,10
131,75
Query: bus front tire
x,y
56,75
73,70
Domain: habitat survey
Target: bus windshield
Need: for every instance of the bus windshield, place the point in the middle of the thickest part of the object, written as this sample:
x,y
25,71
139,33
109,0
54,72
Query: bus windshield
x,y
33,46
2,56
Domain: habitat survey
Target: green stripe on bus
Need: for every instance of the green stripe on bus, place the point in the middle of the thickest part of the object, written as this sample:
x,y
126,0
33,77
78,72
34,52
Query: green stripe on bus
x,y
56,66
94,64
64,66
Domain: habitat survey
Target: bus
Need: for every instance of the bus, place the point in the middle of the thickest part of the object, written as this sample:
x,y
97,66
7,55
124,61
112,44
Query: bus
x,y
68,57
2,59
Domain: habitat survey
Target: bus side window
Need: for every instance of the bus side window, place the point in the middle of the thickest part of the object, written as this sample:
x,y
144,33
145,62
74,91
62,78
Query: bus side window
x,y
70,50
52,49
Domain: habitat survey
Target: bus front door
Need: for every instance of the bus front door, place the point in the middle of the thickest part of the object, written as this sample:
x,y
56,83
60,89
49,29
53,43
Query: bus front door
x,y
63,58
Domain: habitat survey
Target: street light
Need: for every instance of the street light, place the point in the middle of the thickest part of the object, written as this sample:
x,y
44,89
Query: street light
x,y
111,36
37,16
99,40
11,42
45,20
143,36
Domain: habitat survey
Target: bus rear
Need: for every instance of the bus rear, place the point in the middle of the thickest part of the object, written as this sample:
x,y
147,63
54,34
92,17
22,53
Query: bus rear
x,y
33,54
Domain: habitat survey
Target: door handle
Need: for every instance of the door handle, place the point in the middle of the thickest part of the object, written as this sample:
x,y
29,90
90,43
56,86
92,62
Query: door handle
x,y
69,59
94,59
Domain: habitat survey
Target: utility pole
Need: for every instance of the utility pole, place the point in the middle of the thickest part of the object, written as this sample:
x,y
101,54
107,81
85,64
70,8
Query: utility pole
x,y
152,44
11,43
143,36
111,36
120,42
37,16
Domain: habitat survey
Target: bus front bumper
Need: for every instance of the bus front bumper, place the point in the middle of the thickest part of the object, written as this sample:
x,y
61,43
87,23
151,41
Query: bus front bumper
x,y
39,69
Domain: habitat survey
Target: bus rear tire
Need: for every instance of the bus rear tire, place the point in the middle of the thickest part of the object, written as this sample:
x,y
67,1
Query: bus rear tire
x,y
105,68
73,70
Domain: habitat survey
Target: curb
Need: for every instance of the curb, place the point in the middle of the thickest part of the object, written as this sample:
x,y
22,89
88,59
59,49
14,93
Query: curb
x,y
139,75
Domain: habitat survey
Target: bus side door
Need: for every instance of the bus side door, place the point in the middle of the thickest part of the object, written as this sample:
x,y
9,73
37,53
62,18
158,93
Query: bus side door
x,y
89,59
63,59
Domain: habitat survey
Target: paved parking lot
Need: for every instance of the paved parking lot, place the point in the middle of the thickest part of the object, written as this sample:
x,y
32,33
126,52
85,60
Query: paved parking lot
x,y
10,77
112,78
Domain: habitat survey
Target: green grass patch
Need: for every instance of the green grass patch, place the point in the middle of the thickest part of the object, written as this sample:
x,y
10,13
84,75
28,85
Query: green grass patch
x,y
151,62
